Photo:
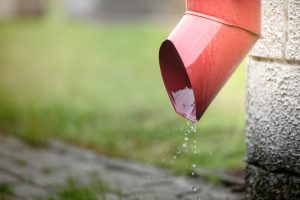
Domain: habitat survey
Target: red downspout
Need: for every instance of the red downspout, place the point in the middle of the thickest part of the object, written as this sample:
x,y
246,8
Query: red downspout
x,y
204,49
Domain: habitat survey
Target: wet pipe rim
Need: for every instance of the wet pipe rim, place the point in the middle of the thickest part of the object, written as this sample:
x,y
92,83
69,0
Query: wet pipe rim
x,y
170,45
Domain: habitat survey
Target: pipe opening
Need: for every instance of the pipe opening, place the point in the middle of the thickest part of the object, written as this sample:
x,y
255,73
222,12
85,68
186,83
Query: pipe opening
x,y
177,81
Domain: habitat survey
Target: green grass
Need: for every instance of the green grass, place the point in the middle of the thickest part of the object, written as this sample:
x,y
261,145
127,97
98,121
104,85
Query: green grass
x,y
100,87
5,191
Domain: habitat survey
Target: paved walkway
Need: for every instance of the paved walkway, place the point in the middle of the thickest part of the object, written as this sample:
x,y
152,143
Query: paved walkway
x,y
33,172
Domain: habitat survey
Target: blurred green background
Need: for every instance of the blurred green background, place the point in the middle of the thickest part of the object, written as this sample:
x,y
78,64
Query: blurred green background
x,y
98,85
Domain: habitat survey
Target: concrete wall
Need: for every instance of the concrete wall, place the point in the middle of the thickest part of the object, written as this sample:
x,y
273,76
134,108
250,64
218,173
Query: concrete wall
x,y
31,7
13,8
125,10
8,8
273,105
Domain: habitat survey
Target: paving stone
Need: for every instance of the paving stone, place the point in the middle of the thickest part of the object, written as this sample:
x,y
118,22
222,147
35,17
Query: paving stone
x,y
210,196
83,168
27,191
64,149
112,197
41,158
7,178
122,181
168,188
53,165
15,198
51,180
140,194
187,183
23,172
157,182
134,167
192,196
166,193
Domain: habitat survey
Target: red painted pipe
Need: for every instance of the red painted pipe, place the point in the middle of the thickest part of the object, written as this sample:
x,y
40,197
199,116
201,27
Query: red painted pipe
x,y
204,49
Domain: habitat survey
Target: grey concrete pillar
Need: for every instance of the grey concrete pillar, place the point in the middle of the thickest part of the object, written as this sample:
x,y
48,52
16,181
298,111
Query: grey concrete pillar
x,y
273,105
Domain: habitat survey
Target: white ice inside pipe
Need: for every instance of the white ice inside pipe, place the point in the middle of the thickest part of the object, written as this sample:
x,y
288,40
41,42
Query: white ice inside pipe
x,y
184,101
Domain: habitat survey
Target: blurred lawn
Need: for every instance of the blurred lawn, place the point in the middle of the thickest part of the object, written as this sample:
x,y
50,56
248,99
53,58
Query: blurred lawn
x,y
100,87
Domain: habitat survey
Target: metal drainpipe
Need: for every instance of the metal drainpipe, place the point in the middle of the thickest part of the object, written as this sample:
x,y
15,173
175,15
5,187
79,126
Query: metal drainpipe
x,y
204,49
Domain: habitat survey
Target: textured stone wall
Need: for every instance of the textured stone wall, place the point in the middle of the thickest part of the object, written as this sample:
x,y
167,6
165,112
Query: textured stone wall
x,y
273,105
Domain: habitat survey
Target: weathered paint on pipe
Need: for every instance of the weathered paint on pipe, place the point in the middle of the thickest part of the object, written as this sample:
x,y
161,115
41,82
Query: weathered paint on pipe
x,y
204,50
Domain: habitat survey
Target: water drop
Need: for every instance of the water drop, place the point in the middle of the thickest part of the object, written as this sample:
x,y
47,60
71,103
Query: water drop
x,y
194,128
194,189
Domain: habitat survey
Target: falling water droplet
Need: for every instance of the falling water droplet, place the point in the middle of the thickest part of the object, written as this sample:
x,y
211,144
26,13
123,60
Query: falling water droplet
x,y
194,128
194,189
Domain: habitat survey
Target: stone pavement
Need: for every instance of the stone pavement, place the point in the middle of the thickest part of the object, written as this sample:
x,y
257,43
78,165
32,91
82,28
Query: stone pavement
x,y
33,173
